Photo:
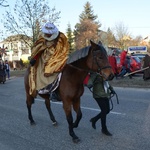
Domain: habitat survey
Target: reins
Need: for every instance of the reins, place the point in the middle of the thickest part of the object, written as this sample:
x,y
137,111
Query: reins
x,y
87,70
78,68
112,95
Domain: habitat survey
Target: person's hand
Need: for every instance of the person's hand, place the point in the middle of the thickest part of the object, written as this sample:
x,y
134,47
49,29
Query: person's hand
x,y
32,62
89,86
113,92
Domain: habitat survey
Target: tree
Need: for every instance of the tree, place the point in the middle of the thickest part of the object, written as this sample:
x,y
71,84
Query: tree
x,y
2,3
111,40
87,28
27,18
87,32
107,38
122,36
137,41
70,37
88,13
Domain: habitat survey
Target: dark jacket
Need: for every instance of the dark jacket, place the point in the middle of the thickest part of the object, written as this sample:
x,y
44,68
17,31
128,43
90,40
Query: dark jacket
x,y
123,57
113,63
146,74
101,88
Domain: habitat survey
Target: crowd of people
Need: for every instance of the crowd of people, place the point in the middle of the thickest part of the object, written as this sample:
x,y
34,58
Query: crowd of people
x,y
126,67
124,64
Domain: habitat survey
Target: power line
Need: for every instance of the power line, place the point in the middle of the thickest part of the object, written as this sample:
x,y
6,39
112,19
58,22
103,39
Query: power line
x,y
139,27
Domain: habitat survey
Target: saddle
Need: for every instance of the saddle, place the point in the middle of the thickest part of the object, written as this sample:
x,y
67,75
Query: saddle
x,y
51,87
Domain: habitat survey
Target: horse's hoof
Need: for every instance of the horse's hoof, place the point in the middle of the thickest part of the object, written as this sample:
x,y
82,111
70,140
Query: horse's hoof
x,y
55,123
76,140
32,123
75,125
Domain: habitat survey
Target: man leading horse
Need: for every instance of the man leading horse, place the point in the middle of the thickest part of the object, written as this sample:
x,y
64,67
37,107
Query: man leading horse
x,y
49,55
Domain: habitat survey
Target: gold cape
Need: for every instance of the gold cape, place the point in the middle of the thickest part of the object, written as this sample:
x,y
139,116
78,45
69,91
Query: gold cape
x,y
52,56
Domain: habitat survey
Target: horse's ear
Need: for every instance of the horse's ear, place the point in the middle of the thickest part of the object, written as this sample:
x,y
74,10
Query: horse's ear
x,y
100,43
92,43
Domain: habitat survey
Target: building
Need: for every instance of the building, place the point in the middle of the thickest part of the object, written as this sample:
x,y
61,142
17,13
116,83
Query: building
x,y
16,47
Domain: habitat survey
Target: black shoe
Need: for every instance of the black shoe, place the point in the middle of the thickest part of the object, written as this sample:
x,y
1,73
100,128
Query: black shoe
x,y
106,132
93,123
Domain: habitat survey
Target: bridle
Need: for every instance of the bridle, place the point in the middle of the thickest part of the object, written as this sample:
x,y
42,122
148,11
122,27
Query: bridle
x,y
99,70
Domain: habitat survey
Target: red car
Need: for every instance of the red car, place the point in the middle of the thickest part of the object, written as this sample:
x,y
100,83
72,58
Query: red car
x,y
134,62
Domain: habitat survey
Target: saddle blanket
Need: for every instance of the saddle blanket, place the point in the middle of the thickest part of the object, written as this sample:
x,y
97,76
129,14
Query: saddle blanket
x,y
51,87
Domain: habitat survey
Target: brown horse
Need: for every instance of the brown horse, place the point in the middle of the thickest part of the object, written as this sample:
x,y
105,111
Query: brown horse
x,y
93,58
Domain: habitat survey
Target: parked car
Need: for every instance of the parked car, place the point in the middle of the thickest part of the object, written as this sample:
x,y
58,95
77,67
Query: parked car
x,y
134,61
140,56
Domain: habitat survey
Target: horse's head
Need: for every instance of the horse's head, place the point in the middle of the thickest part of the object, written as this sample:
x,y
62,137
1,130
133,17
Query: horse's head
x,y
98,61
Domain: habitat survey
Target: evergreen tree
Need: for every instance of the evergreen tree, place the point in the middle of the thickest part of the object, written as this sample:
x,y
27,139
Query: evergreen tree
x,y
87,13
70,38
110,38
87,28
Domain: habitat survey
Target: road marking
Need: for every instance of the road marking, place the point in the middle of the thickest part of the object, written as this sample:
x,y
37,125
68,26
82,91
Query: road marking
x,y
87,108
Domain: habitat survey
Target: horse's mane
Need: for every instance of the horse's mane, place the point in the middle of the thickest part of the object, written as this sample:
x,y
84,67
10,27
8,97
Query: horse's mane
x,y
78,54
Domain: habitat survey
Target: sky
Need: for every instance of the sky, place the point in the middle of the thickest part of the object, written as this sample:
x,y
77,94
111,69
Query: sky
x,y
133,14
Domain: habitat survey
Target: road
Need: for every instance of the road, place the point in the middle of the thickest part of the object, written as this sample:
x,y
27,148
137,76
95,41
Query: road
x,y
129,122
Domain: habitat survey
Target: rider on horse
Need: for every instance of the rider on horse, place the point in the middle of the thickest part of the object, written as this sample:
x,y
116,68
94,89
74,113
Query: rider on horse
x,y
49,55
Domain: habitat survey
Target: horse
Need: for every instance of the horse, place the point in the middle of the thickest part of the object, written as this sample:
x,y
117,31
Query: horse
x,y
71,87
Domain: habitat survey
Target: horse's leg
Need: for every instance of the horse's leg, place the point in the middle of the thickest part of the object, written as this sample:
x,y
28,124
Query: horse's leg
x,y
48,106
29,102
77,109
67,109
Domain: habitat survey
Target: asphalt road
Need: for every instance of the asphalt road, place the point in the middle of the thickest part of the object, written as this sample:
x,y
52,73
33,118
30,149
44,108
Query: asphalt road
x,y
129,122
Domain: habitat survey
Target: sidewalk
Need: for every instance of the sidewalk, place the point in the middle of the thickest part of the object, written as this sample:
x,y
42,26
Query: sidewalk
x,y
12,77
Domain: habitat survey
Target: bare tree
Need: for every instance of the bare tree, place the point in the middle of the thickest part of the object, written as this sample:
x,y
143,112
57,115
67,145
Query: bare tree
x,y
27,18
136,41
122,35
3,3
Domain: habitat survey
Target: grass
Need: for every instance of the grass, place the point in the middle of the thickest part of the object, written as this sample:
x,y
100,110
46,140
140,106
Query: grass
x,y
17,73
136,81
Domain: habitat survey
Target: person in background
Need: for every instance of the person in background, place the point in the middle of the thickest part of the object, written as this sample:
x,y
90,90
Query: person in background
x,y
146,63
113,63
14,65
101,93
1,65
7,69
21,64
128,66
122,62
